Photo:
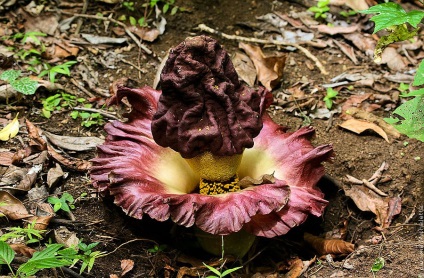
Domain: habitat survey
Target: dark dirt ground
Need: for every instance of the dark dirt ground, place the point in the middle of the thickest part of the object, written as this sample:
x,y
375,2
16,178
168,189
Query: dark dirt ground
x,y
98,220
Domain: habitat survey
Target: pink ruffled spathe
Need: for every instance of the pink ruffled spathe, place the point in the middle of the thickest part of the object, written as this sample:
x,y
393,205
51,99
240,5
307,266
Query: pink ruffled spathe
x,y
145,178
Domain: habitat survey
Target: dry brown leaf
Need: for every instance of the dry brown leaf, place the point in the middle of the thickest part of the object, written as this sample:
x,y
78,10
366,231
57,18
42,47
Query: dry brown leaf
x,y
296,269
126,266
70,162
245,68
54,175
333,30
329,246
63,236
393,59
6,158
359,126
347,50
356,5
74,143
146,34
366,200
22,249
365,43
113,276
364,115
11,207
269,69
354,101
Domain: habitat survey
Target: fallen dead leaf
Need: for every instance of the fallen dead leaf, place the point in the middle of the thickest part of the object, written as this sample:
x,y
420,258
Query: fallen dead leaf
x,y
54,175
296,267
269,69
22,249
329,246
6,158
356,5
12,176
11,207
10,130
367,116
126,266
74,143
333,30
393,59
245,68
359,126
146,34
63,236
385,208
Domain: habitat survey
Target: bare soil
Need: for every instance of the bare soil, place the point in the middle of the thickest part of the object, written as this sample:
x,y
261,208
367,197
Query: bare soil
x,y
98,220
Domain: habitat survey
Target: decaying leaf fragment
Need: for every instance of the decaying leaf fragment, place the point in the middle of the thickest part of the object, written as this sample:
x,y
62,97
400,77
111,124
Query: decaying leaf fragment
x,y
126,266
329,246
385,208
11,207
74,143
269,69
359,126
245,68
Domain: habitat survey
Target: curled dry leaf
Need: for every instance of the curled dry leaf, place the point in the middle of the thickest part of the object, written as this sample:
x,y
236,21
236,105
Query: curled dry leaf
x,y
359,126
10,130
366,200
74,143
54,175
393,59
22,249
245,68
269,69
126,266
13,176
329,246
63,236
367,116
11,207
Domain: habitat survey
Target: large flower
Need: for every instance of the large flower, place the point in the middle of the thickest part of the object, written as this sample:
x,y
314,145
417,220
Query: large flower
x,y
204,151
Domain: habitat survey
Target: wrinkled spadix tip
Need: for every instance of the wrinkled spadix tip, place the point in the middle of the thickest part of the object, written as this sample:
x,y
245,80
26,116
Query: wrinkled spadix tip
x,y
203,106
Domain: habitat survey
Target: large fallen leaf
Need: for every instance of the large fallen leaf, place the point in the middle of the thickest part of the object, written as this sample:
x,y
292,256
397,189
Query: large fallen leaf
x,y
393,59
333,30
385,208
11,207
359,126
245,68
22,249
10,130
74,143
6,158
269,69
329,246
126,266
54,175
13,176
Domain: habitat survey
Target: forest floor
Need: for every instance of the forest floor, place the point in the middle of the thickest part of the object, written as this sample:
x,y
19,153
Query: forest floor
x,y
163,250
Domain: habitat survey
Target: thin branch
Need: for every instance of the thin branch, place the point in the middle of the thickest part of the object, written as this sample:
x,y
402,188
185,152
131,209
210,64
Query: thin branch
x,y
93,110
129,33
203,27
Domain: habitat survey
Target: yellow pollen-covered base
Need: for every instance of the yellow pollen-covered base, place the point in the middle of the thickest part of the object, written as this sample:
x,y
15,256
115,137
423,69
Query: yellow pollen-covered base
x,y
208,187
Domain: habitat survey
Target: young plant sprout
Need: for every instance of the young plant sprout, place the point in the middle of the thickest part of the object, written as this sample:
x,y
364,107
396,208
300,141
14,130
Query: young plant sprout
x,y
203,152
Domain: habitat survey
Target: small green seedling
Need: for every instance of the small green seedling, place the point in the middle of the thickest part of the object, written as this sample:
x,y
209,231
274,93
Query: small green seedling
x,y
157,248
378,265
321,9
52,71
65,202
59,101
29,233
219,274
23,85
328,99
348,13
88,257
88,119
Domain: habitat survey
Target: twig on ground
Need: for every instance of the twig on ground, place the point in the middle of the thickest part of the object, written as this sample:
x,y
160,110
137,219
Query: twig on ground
x,y
128,242
101,112
80,21
373,188
84,90
71,272
129,33
377,175
134,65
203,27
329,123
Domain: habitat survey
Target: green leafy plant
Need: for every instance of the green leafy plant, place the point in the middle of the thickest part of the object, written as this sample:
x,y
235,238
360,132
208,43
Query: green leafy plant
x,y
321,9
30,234
329,97
218,273
23,85
409,118
88,119
32,36
88,256
52,71
58,102
378,265
348,13
157,248
65,202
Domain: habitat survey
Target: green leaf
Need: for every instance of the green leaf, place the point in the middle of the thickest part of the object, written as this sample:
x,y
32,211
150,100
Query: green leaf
x,y
419,76
378,264
411,120
228,271
46,113
133,21
419,92
57,207
74,114
174,10
165,8
389,14
25,85
6,253
47,258
10,75
214,270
